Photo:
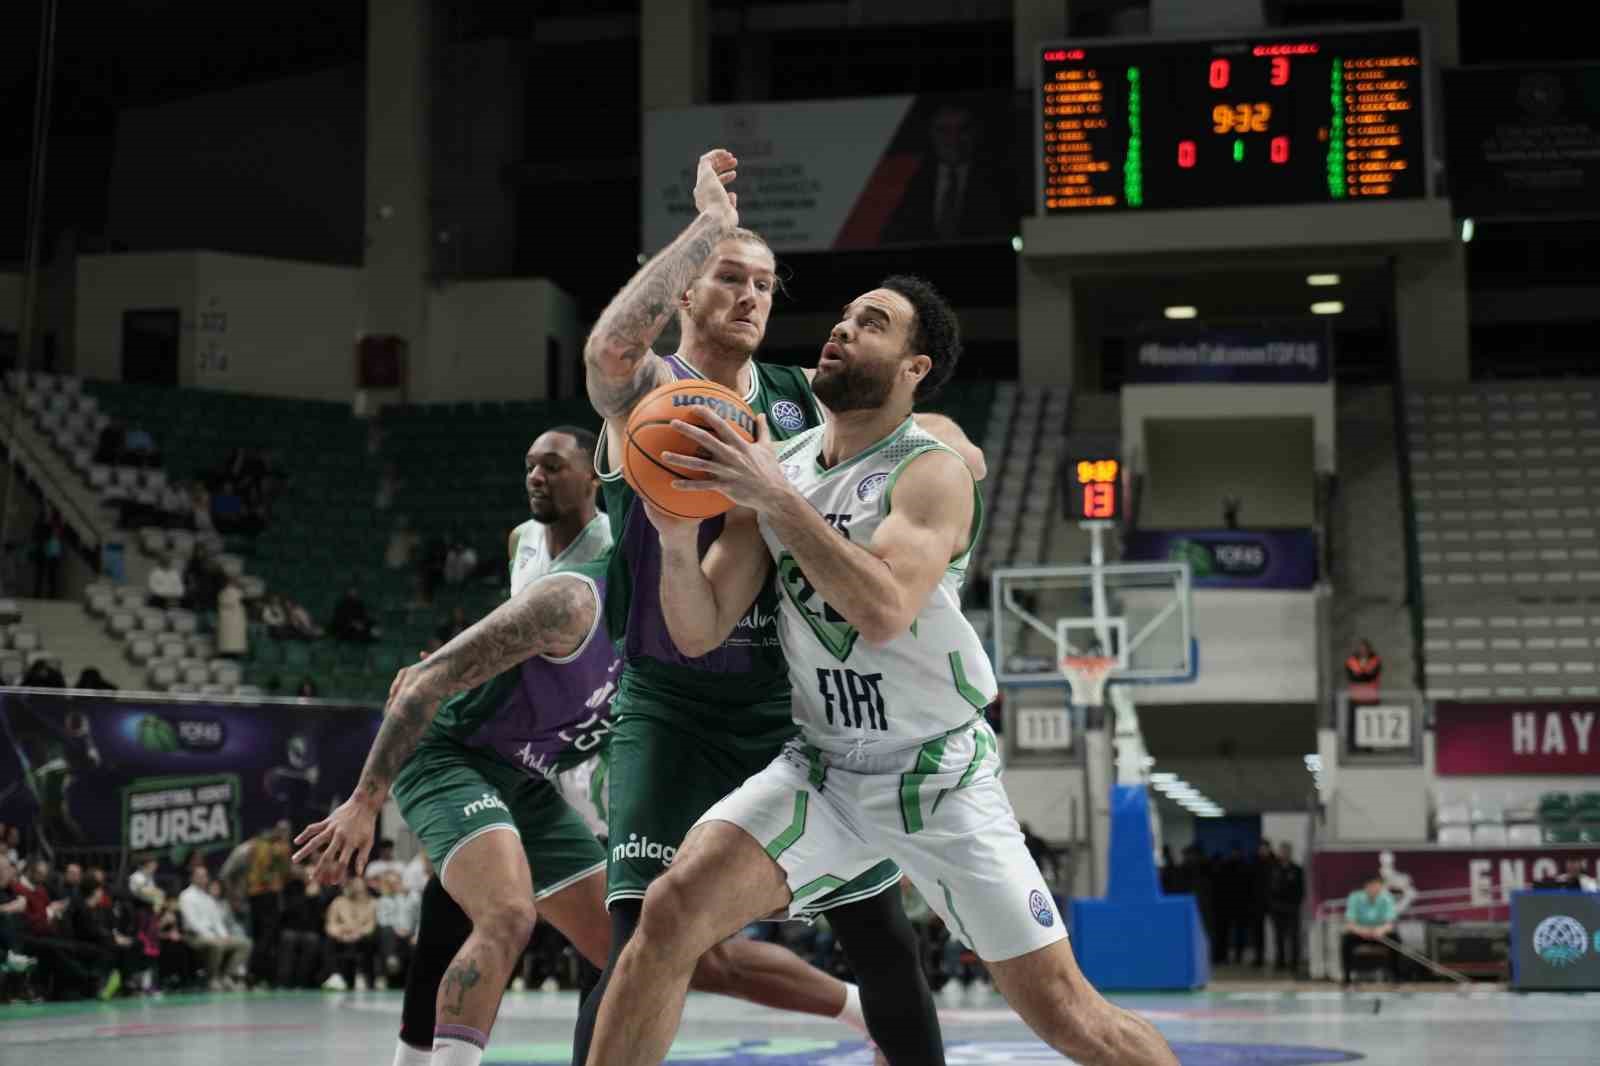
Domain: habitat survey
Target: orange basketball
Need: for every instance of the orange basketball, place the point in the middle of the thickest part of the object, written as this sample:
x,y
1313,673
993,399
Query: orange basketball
x,y
650,433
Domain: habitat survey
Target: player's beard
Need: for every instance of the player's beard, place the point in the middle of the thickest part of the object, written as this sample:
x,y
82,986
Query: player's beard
x,y
853,387
543,511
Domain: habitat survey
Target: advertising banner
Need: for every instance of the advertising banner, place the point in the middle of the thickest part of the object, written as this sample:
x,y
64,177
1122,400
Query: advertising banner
x,y
1279,355
843,174
165,779
1232,558
1555,941
1516,738
1483,878
1524,141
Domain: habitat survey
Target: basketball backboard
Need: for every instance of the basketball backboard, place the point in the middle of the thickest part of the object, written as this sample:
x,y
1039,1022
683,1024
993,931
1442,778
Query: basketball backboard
x,y
1144,620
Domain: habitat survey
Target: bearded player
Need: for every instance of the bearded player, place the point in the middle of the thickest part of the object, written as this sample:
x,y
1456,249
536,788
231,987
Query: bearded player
x,y
867,525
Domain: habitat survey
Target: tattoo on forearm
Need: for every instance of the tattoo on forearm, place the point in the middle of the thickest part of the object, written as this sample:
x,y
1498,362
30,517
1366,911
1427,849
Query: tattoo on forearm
x,y
548,618
637,314
459,979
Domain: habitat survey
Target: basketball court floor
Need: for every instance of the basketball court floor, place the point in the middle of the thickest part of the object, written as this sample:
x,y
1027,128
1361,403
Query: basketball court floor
x,y
1248,1027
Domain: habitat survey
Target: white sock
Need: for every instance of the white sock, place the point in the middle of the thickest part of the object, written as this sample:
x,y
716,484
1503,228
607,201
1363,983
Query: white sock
x,y
458,1045
406,1055
851,1014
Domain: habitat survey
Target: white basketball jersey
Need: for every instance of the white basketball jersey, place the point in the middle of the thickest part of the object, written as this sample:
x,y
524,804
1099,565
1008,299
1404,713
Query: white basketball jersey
x,y
532,560
849,696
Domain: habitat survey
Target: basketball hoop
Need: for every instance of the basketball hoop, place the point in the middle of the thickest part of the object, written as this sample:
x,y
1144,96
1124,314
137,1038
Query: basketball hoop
x,y
1088,674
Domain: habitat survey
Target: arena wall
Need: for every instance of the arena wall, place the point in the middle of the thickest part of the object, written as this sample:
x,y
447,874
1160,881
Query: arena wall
x,y
1142,403
10,301
487,341
1255,647
1192,464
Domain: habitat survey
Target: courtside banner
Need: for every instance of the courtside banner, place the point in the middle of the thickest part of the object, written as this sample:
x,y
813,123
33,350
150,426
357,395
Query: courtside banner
x,y
857,173
1517,738
1232,558
166,779
1482,878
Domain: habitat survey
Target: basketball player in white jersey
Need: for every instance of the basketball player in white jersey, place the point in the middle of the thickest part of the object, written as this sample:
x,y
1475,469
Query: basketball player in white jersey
x,y
870,522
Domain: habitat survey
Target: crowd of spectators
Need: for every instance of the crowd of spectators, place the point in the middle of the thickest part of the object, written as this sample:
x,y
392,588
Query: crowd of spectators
x,y
1238,896
258,921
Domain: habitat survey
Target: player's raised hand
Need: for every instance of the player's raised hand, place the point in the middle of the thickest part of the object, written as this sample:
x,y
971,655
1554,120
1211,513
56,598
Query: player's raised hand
x,y
716,170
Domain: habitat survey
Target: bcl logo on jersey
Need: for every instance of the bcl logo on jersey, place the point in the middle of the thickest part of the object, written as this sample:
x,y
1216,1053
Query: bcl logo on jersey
x,y
1039,907
787,414
871,487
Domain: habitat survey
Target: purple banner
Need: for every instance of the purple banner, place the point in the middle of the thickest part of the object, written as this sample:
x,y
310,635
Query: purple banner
x,y
1176,355
164,778
1232,558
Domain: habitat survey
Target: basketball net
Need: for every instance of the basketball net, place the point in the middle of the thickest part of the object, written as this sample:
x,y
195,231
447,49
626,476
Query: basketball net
x,y
1088,674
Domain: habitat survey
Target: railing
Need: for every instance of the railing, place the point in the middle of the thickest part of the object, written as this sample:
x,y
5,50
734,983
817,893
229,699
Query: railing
x,y
25,452
1402,439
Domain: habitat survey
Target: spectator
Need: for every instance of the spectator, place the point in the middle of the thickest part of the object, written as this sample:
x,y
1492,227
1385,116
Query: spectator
x,y
200,509
350,620
384,864
417,872
175,506
223,953
176,958
398,912
13,922
402,545
1260,901
1232,893
460,562
1577,879
451,626
227,510
352,925
108,450
142,883
300,936
94,922
165,583
90,678
268,872
388,484
1288,893
44,673
71,883
1230,511
49,543
1369,916
233,635
306,690
1362,671
13,844
202,580
139,448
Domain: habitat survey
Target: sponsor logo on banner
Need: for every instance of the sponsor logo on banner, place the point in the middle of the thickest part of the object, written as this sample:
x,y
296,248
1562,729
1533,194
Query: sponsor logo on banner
x,y
1511,738
1560,940
1257,558
1039,907
871,487
181,814
787,414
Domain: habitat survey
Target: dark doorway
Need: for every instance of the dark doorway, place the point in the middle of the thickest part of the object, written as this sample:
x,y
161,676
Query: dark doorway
x,y
150,347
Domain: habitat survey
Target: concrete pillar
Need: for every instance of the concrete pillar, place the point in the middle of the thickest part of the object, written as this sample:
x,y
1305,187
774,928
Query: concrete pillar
x,y
1047,329
674,43
1032,23
1442,21
397,217
1430,285
1175,17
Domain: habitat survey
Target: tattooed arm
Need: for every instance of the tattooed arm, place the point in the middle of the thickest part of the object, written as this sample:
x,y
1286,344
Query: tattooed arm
x,y
552,616
620,366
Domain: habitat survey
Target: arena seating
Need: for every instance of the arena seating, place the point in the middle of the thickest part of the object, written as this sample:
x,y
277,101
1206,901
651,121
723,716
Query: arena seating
x,y
1022,441
1505,478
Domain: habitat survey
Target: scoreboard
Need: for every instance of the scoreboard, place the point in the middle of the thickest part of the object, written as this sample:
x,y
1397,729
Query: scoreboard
x,y
1272,118
1094,489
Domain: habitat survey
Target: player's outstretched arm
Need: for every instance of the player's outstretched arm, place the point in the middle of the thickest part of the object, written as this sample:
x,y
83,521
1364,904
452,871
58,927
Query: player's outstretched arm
x,y
552,616
621,367
703,599
948,432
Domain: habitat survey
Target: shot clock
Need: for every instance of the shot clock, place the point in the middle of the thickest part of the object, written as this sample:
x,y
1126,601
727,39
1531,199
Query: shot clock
x,y
1291,118
1095,490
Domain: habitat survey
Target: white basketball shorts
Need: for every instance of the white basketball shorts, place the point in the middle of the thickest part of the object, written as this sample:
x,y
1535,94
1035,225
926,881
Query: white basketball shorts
x,y
938,810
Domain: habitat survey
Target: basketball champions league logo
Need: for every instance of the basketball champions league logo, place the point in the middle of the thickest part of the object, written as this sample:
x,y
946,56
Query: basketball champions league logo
x,y
787,414
1560,940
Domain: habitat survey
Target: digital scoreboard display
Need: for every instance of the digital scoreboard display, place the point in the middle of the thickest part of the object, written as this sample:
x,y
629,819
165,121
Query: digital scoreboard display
x,y
1096,489
1291,118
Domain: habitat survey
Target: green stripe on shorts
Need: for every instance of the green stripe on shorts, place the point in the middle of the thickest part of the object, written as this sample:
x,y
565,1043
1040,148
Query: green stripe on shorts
x,y
825,883
797,827
929,759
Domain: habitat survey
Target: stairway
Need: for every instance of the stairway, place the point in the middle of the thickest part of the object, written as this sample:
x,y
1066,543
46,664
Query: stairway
x,y
70,632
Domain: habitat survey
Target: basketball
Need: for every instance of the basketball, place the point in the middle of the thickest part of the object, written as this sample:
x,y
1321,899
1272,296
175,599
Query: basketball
x,y
650,433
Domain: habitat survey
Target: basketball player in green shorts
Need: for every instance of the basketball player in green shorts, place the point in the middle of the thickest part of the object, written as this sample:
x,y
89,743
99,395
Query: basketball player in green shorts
x,y
687,730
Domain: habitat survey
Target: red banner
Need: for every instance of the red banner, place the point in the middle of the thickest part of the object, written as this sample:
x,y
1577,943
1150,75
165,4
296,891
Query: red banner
x,y
1517,738
1482,879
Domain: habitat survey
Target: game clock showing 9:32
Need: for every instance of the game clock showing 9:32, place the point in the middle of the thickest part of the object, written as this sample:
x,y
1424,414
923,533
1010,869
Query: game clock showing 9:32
x,y
1328,117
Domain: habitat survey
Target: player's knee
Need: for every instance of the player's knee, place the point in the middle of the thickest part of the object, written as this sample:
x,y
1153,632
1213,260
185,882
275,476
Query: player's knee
x,y
509,925
668,922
